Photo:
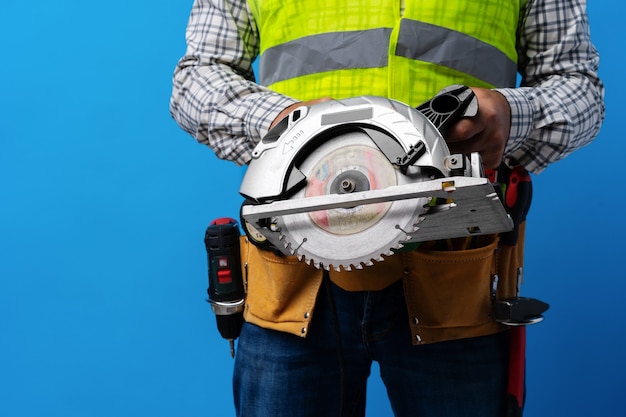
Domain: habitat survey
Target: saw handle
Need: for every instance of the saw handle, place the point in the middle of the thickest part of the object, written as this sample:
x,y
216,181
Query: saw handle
x,y
450,105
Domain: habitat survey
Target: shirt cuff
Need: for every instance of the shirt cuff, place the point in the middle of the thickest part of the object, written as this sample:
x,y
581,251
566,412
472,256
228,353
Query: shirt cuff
x,y
269,105
262,109
522,118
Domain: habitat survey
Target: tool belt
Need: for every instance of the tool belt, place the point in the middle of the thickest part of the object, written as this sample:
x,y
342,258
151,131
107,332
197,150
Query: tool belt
x,y
449,294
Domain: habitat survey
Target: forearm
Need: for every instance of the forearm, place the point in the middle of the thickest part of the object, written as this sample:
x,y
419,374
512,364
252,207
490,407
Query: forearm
x,y
228,116
214,96
559,106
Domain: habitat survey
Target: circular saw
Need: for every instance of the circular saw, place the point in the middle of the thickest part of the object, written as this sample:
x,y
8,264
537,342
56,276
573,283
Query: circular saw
x,y
344,183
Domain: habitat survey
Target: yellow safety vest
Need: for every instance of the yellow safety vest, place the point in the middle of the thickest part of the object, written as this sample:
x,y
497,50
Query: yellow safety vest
x,y
347,48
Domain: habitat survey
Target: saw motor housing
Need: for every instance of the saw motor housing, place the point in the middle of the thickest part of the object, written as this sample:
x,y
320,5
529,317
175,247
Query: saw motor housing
x,y
344,183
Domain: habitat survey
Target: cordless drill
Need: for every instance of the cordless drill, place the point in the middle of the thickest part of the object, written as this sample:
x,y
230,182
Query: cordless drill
x,y
226,289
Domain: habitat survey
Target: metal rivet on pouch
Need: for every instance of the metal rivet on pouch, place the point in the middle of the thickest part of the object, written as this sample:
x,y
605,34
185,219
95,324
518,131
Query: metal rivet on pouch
x,y
303,330
418,339
416,320
306,315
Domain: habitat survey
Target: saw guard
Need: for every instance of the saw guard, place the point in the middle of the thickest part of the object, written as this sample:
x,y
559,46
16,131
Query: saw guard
x,y
398,130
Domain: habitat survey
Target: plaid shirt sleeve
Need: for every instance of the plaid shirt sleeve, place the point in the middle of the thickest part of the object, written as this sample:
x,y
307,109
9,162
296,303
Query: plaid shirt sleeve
x,y
214,96
559,106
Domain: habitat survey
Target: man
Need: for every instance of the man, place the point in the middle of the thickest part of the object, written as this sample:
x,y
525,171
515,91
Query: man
x,y
310,336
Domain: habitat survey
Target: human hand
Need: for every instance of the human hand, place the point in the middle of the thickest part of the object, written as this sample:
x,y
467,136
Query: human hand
x,y
486,133
294,106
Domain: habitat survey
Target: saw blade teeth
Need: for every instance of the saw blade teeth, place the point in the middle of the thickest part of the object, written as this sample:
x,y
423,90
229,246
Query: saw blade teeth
x,y
312,262
338,268
368,263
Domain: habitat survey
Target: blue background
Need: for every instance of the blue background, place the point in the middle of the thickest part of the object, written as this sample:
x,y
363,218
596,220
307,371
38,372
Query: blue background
x,y
104,202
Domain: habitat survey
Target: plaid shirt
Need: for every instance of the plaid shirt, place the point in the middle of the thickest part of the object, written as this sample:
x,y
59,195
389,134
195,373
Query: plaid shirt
x,y
558,107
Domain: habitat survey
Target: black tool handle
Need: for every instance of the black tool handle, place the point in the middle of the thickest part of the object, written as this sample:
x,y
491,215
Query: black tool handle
x,y
450,105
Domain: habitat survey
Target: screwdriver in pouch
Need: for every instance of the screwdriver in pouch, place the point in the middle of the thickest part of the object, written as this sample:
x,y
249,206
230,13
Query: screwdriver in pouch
x,y
226,290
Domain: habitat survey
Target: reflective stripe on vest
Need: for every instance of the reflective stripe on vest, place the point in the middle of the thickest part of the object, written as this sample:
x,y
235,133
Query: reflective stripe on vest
x,y
417,40
274,69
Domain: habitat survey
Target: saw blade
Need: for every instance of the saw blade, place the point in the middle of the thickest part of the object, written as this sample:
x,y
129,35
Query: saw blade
x,y
356,236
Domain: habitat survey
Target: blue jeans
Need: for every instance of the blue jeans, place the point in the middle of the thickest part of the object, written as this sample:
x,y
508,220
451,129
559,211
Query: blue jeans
x,y
325,374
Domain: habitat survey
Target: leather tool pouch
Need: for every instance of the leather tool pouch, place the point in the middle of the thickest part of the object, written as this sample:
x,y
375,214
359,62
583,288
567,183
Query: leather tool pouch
x,y
281,290
449,293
